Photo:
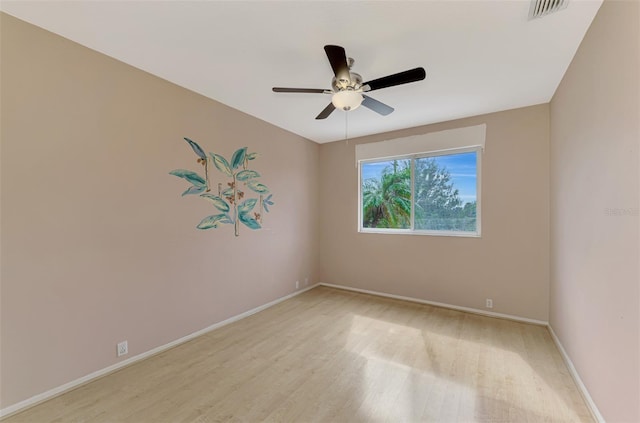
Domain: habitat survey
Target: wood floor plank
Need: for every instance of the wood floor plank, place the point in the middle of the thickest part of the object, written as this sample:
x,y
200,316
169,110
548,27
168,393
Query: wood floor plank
x,y
330,355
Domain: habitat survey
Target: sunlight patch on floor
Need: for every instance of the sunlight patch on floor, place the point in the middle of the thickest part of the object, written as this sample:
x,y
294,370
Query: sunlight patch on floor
x,y
435,374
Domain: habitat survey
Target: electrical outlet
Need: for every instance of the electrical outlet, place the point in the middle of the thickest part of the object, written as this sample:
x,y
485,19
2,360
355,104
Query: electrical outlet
x,y
297,284
123,348
306,281
489,303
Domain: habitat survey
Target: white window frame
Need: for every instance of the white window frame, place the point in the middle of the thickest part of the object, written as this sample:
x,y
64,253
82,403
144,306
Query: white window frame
x,y
412,145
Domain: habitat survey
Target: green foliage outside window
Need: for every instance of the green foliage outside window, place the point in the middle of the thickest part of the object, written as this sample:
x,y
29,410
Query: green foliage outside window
x,y
437,203
387,201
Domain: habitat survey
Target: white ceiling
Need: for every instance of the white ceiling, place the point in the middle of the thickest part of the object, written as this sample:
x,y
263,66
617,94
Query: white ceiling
x,y
480,56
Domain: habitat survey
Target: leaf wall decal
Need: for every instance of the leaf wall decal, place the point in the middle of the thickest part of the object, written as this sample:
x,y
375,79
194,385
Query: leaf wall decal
x,y
267,202
227,202
238,157
244,175
247,205
218,202
222,164
193,190
257,187
249,221
196,148
190,176
211,221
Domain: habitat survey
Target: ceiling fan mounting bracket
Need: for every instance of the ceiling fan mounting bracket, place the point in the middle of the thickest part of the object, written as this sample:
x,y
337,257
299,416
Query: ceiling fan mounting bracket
x,y
350,62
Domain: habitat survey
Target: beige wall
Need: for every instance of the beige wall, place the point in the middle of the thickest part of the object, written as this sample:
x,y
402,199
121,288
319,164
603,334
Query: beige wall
x,y
97,244
509,263
595,140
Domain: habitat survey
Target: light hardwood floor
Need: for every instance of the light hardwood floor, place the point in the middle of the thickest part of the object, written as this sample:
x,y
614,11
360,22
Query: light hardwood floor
x,y
335,356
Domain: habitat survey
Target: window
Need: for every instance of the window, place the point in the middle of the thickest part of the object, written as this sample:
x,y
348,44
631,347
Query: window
x,y
386,194
433,193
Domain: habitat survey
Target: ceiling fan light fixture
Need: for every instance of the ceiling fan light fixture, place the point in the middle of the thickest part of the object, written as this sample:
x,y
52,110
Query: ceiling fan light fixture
x,y
347,100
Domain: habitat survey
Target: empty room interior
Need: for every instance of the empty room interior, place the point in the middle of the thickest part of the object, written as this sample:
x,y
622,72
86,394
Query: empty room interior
x,y
320,211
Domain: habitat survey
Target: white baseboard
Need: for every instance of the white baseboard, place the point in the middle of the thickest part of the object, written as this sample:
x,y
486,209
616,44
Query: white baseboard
x,y
591,405
37,399
443,305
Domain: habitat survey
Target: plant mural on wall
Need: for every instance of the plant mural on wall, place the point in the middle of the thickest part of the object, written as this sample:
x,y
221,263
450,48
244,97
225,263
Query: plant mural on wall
x,y
232,206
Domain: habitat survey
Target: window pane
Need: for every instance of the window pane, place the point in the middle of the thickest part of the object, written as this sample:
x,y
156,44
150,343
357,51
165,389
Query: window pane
x,y
386,194
445,193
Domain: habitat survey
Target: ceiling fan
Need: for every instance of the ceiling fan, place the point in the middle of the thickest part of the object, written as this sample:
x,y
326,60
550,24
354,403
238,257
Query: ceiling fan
x,y
348,88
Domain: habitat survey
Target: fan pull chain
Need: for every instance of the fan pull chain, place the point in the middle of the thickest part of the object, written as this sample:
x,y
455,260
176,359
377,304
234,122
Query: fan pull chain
x,y
346,127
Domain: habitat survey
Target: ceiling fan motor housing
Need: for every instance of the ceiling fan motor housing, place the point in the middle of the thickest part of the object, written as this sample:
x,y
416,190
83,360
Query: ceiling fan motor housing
x,y
354,82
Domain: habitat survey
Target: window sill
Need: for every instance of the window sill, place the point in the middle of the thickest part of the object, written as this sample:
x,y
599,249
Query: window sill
x,y
427,233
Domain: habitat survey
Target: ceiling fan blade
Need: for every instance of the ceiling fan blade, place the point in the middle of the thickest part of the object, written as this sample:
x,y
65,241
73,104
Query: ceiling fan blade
x,y
338,60
299,90
326,112
376,106
412,75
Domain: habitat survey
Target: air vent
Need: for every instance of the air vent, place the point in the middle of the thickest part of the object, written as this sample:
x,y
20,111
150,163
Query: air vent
x,y
540,8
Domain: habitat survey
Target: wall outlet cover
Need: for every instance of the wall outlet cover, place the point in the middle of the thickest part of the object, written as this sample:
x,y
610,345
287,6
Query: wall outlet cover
x,y
123,348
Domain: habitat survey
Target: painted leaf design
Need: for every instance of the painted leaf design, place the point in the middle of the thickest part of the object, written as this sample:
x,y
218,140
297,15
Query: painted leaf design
x,y
267,202
247,206
249,221
257,187
222,164
196,148
193,190
217,201
252,156
244,175
228,192
190,176
212,221
238,157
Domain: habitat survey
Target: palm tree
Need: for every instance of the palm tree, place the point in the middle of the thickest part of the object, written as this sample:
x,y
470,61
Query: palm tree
x,y
387,201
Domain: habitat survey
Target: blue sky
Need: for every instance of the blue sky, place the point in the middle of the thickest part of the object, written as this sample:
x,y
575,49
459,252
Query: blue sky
x,y
462,168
